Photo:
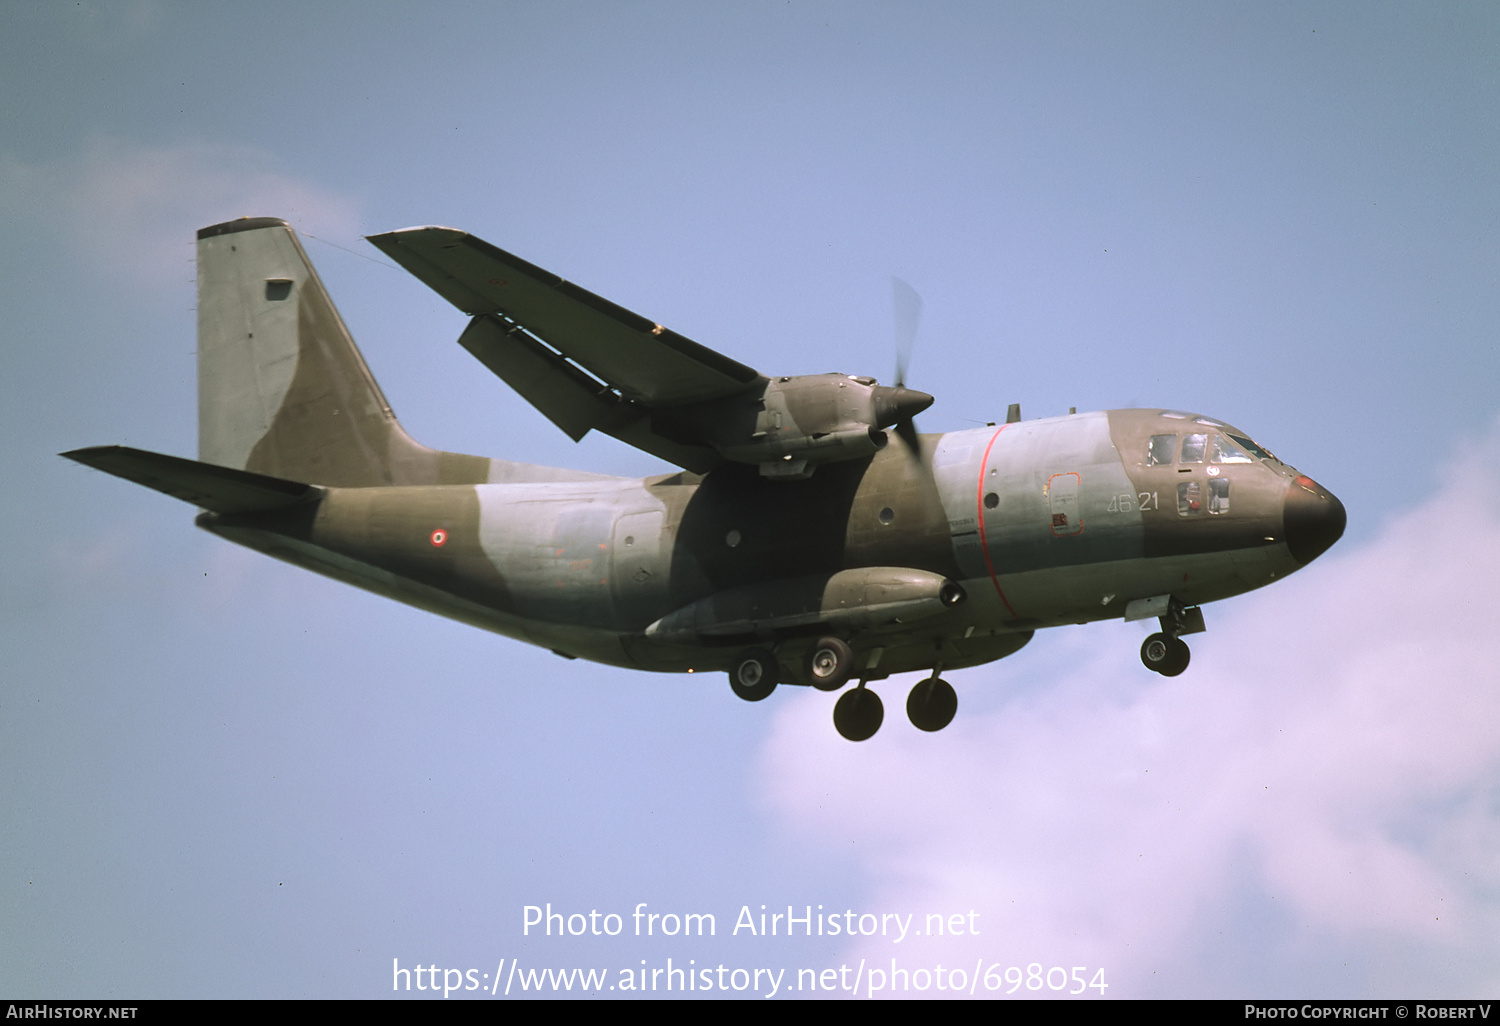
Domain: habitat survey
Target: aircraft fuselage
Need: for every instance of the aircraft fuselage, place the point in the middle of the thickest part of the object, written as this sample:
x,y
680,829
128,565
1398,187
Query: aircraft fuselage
x,y
1043,522
812,536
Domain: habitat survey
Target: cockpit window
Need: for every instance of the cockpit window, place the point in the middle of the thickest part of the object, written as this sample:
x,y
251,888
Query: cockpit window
x,y
1257,450
1161,450
1225,451
1192,448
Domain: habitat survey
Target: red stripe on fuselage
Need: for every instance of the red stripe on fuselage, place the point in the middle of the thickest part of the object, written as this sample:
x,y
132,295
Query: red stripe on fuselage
x,y
984,545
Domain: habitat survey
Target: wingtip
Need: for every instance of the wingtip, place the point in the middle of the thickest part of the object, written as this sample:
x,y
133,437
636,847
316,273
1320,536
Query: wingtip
x,y
87,453
414,229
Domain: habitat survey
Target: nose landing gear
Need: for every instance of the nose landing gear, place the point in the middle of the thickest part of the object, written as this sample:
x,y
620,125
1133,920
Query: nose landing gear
x,y
1165,654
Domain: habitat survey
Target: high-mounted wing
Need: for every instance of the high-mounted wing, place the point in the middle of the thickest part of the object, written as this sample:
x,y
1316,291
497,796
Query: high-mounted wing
x,y
588,364
515,303
641,359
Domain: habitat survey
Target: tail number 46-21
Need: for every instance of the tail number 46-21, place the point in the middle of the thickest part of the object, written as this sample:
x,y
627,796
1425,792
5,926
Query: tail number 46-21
x,y
1143,501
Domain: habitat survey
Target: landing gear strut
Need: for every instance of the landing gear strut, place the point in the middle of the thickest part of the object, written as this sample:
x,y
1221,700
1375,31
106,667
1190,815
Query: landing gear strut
x,y
752,675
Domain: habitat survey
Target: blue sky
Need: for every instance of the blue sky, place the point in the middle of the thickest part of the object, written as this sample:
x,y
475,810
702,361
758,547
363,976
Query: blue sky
x,y
220,776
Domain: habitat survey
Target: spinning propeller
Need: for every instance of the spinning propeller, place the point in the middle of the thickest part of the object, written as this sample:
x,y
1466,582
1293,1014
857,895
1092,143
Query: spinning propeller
x,y
901,402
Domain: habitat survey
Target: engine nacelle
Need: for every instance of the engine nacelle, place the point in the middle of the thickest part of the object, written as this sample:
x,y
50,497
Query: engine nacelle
x,y
794,424
794,454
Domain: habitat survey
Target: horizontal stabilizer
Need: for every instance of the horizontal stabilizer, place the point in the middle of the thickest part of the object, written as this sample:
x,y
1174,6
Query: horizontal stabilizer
x,y
644,361
220,489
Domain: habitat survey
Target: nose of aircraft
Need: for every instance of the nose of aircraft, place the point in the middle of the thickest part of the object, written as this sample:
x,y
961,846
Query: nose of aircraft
x,y
1313,518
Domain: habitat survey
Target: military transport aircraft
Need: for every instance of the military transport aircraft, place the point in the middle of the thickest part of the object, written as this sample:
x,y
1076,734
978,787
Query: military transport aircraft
x,y
811,536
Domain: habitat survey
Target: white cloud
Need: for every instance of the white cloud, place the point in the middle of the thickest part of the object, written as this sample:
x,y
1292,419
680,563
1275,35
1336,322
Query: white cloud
x,y
133,209
1314,805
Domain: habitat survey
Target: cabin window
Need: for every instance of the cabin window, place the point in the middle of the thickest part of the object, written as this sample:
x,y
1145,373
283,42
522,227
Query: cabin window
x,y
1225,451
1189,499
1218,496
1192,448
1159,453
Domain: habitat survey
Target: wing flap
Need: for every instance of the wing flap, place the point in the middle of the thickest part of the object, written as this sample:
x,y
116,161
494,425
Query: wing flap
x,y
570,398
642,360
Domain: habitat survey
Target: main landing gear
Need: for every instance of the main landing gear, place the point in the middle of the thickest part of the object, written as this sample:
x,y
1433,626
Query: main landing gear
x,y
931,704
859,712
829,664
930,707
830,661
753,674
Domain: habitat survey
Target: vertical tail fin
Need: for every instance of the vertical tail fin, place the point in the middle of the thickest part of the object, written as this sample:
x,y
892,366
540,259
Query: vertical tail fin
x,y
282,389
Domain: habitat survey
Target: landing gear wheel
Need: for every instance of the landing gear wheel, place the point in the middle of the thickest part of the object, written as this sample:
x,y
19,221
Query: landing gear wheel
x,y
752,676
829,663
931,704
858,714
1167,656
1177,661
1154,651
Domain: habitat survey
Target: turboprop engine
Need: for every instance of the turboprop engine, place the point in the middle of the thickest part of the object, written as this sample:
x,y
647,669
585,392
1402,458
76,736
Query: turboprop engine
x,y
793,424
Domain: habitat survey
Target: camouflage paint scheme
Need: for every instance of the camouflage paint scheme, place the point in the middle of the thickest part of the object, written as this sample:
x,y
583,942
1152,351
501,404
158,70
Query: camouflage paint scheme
x,y
793,518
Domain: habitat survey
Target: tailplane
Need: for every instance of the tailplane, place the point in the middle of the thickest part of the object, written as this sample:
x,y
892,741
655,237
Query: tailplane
x,y
206,485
